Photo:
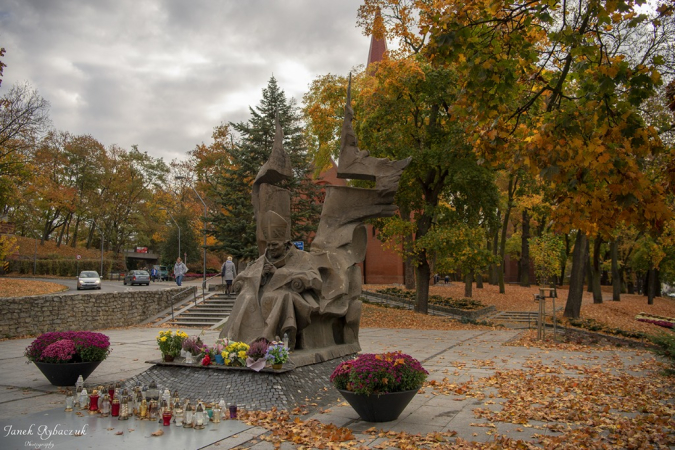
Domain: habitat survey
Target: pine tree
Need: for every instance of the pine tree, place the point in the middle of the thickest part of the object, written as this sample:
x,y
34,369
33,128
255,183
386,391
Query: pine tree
x,y
234,223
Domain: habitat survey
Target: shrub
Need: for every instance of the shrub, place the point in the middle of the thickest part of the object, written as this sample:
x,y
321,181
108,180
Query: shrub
x,y
665,343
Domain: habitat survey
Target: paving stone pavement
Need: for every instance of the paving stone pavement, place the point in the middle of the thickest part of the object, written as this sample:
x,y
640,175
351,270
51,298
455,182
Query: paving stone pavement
x,y
26,397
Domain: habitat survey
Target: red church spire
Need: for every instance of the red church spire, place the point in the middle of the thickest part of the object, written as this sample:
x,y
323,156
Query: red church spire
x,y
377,46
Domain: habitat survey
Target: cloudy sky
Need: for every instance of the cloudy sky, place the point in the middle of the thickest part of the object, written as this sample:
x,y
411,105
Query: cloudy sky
x,y
162,74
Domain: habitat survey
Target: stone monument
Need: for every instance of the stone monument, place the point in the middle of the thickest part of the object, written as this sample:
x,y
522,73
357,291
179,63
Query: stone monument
x,y
313,297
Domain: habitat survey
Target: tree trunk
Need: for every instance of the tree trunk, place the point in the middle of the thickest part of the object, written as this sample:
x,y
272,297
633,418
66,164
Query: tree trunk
x,y
468,284
423,273
657,290
513,185
576,289
564,264
479,280
90,236
589,268
77,228
616,275
628,279
651,286
596,270
494,268
525,251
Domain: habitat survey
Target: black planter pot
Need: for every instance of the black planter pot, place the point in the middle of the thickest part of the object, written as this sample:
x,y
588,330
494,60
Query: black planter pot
x,y
379,408
66,374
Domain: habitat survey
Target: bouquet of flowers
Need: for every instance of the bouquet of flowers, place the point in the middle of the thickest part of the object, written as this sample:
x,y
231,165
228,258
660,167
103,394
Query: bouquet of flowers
x,y
193,345
258,349
379,373
171,343
69,347
235,354
257,354
277,353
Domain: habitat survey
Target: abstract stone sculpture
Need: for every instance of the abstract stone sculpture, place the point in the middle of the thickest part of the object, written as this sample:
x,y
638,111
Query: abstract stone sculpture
x,y
312,296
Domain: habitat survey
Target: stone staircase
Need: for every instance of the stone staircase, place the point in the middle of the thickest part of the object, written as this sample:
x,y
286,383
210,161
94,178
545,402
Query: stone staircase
x,y
209,313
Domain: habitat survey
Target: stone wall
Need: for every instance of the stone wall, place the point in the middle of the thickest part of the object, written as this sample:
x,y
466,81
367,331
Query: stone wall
x,y
23,316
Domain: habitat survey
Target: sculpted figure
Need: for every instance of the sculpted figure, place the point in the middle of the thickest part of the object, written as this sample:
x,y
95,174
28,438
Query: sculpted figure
x,y
312,296
278,292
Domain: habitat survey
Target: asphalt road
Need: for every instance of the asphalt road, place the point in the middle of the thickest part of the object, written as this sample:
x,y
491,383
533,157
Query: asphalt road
x,y
107,286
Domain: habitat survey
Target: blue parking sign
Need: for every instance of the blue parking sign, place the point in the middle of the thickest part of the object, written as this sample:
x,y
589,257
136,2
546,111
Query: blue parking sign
x,y
300,245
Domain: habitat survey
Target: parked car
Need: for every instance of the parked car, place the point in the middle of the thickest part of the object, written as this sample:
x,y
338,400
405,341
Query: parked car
x,y
163,273
137,277
88,279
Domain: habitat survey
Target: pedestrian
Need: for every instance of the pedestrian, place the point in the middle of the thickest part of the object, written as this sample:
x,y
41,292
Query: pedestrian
x,y
447,279
153,274
228,272
179,270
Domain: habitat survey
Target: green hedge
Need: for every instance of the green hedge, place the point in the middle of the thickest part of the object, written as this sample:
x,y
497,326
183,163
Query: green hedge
x,y
61,267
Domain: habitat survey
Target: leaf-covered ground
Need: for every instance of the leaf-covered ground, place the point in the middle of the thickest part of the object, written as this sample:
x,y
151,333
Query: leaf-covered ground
x,y
21,288
567,406
619,314
381,317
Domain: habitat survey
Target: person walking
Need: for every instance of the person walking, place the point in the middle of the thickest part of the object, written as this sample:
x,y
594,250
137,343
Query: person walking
x,y
153,274
179,270
228,272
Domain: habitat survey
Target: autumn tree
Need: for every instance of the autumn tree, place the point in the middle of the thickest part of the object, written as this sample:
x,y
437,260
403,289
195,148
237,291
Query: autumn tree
x,y
24,119
401,110
129,179
555,88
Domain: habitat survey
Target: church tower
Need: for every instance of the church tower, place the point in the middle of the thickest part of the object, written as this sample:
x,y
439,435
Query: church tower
x,y
381,266
377,46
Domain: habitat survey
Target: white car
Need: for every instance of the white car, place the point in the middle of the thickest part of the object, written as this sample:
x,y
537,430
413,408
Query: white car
x,y
88,279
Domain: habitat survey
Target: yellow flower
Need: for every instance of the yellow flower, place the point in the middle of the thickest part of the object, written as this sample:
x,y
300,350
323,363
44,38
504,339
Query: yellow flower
x,y
242,354
163,339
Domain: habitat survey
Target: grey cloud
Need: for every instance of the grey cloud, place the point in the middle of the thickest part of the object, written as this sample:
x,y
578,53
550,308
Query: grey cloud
x,y
158,73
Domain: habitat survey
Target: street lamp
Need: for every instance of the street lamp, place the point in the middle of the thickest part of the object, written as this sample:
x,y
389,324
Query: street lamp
x,y
177,226
180,177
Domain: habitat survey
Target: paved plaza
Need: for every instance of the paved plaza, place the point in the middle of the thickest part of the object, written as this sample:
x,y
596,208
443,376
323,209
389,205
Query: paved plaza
x,y
28,399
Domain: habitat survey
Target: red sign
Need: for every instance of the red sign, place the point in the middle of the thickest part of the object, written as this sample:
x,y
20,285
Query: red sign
x,y
141,249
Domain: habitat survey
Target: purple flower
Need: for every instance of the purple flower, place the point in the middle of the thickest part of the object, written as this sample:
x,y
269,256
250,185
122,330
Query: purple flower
x,y
258,348
89,346
59,351
193,344
379,373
